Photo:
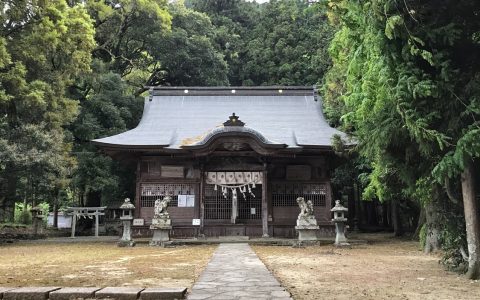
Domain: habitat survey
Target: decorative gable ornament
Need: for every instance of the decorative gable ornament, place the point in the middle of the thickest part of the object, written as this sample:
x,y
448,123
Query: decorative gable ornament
x,y
234,121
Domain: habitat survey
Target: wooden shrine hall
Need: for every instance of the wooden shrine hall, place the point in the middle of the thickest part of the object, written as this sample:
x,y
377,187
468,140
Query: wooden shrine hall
x,y
234,159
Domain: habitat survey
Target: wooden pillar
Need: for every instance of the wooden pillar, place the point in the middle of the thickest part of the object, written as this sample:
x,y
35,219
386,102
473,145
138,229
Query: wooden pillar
x,y
328,200
265,203
137,189
200,209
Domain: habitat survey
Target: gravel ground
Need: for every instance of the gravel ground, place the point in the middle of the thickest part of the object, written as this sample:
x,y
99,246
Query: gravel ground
x,y
100,264
386,268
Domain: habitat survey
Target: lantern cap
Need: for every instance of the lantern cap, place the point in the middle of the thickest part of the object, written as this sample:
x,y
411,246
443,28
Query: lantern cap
x,y
127,204
338,207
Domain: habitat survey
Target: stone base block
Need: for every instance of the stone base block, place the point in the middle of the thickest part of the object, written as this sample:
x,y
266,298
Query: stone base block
x,y
343,245
168,244
71,293
126,243
29,293
160,236
119,293
307,233
4,289
163,293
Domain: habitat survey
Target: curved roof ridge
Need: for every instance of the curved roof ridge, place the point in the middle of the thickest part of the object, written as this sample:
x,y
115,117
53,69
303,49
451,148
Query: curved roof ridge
x,y
231,129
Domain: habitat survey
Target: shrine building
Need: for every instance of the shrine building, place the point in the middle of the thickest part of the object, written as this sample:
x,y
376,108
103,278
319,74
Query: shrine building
x,y
234,159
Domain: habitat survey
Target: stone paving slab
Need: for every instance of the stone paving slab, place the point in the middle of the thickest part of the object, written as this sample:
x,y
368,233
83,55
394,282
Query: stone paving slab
x,y
119,293
235,272
70,293
4,289
29,293
163,293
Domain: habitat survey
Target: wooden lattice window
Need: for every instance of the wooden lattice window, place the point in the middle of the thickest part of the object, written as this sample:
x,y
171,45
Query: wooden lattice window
x,y
286,194
218,207
149,192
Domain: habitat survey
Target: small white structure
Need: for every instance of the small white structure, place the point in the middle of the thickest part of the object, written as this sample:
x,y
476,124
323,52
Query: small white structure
x,y
64,220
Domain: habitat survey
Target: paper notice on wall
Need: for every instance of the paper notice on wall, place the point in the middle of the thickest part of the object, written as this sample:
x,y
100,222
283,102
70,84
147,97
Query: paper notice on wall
x,y
190,201
252,210
182,200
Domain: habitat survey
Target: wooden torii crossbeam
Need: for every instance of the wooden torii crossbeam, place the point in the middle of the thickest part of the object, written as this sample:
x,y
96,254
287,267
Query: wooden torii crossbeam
x,y
85,212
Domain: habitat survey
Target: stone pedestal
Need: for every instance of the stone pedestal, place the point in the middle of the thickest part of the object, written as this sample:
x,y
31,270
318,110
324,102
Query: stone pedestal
x,y
340,238
307,233
307,228
161,231
161,236
126,240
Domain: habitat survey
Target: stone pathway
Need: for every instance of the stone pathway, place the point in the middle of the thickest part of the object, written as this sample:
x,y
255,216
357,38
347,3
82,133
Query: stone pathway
x,y
236,272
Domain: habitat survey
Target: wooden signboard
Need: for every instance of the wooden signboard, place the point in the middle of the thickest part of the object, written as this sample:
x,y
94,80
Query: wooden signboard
x,y
138,222
299,172
172,171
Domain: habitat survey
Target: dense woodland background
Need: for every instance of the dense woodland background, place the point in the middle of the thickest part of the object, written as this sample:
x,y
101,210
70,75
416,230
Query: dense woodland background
x,y
401,76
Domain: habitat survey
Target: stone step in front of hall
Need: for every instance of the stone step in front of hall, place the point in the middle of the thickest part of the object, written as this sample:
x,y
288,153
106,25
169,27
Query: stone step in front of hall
x,y
114,293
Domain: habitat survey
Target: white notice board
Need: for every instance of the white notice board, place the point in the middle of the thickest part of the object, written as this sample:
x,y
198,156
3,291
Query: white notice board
x,y
190,200
182,200
186,200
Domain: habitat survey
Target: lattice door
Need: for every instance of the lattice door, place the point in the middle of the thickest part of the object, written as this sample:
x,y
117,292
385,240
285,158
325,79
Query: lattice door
x,y
218,207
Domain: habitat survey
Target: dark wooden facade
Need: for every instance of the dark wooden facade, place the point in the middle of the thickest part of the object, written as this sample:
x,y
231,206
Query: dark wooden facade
x,y
289,166
274,202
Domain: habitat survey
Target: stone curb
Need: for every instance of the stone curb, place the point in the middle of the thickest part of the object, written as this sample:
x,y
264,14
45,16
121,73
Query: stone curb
x,y
70,293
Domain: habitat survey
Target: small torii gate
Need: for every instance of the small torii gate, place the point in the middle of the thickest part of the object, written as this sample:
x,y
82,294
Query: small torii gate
x,y
86,212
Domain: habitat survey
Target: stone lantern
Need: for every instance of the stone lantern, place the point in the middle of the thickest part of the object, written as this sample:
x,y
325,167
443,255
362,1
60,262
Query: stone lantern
x,y
339,219
127,218
37,216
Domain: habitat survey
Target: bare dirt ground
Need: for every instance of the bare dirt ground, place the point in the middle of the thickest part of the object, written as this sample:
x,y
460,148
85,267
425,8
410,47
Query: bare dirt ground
x,y
101,264
385,268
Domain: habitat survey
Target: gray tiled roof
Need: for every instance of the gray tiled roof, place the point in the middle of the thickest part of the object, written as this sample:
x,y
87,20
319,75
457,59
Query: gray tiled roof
x,y
173,118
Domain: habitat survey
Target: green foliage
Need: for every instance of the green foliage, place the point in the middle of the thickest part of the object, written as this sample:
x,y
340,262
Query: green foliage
x,y
23,214
44,47
453,239
405,82
288,45
125,31
195,61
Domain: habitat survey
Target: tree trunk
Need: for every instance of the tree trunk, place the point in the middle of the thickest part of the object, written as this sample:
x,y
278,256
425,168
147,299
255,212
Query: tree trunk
x,y
433,219
357,222
420,223
396,221
7,202
472,224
